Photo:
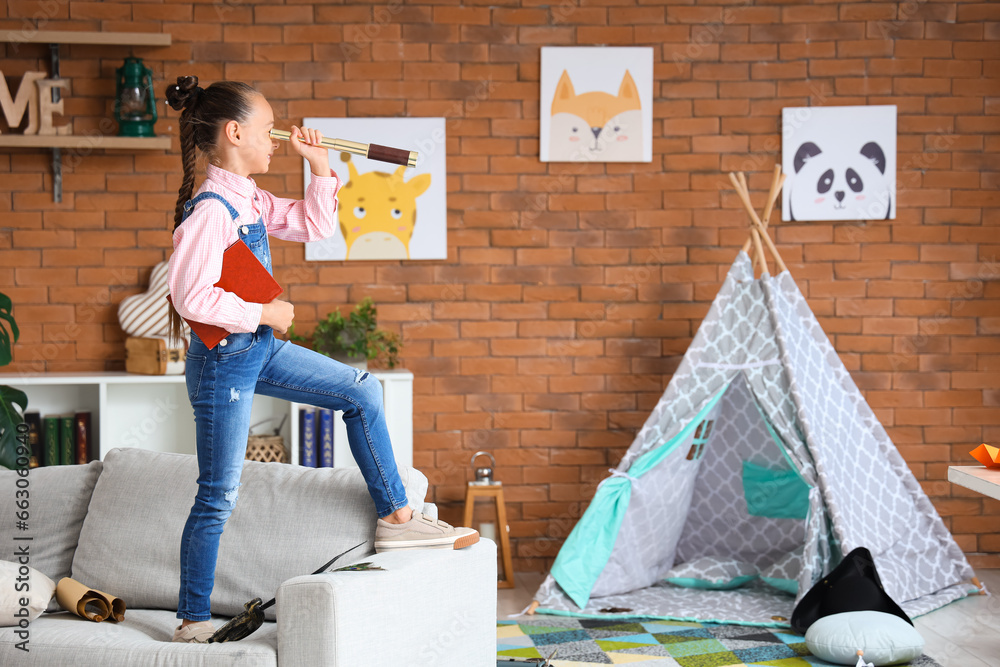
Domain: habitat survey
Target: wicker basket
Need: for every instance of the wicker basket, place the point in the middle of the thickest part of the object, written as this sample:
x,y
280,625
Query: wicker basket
x,y
267,448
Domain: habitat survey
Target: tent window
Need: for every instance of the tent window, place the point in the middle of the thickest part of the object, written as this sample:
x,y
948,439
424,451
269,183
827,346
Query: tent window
x,y
701,435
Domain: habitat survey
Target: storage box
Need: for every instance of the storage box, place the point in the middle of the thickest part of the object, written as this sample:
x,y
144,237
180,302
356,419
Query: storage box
x,y
153,355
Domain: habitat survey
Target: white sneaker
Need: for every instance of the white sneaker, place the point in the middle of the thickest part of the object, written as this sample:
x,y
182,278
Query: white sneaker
x,y
422,532
195,633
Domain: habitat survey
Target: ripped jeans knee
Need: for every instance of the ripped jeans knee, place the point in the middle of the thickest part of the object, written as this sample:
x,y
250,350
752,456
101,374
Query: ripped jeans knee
x,y
232,495
214,507
360,375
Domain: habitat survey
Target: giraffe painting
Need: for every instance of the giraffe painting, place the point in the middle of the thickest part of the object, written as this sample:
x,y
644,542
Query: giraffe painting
x,y
377,203
378,212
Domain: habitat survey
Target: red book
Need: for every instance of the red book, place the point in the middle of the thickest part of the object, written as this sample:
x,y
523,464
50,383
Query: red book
x,y
244,276
86,450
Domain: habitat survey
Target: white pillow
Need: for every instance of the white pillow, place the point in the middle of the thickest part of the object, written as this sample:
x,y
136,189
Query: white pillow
x,y
26,604
886,639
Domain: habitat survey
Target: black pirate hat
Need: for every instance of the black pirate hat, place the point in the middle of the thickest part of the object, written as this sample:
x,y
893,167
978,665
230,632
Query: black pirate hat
x,y
854,585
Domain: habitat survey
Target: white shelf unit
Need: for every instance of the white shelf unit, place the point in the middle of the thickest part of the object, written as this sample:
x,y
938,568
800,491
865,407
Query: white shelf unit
x,y
153,411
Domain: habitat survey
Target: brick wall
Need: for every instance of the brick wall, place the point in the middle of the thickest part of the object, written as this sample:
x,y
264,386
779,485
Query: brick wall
x,y
570,291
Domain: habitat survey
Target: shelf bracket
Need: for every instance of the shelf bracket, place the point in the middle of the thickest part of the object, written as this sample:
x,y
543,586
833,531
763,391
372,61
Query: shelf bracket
x,y
57,175
56,152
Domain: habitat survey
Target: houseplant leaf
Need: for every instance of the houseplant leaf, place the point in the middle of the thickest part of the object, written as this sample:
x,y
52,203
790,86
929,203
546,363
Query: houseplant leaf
x,y
10,418
10,398
7,339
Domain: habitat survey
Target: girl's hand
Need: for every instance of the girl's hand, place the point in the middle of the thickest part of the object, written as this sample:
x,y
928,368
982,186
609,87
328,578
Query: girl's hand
x,y
305,142
278,315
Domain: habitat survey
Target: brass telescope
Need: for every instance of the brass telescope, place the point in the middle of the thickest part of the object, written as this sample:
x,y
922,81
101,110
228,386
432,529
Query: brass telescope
x,y
371,151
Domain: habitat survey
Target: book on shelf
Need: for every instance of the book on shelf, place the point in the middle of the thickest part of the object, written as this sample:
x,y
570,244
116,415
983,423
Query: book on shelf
x,y
325,437
33,419
51,435
65,438
307,437
85,449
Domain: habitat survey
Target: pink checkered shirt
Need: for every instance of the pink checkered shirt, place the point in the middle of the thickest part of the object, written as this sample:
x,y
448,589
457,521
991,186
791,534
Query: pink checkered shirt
x,y
199,242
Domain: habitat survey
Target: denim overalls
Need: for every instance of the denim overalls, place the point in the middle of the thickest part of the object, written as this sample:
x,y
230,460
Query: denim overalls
x,y
221,384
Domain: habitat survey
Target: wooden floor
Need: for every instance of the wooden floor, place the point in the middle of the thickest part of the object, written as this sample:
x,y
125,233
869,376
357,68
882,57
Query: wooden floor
x,y
963,634
966,633
513,600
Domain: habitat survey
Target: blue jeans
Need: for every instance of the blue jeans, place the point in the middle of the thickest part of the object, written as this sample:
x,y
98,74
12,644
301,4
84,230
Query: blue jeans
x,y
221,384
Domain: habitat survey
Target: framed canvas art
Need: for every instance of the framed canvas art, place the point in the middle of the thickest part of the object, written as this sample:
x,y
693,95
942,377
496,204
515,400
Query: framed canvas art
x,y
385,211
597,104
839,163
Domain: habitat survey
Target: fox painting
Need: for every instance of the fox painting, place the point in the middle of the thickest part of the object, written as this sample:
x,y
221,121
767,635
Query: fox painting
x,y
596,126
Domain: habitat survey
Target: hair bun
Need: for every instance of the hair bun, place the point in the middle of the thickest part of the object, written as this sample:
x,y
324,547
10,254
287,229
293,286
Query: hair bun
x,y
184,94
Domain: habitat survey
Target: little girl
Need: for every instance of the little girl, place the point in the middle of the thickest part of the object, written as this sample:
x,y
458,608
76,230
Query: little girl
x,y
230,123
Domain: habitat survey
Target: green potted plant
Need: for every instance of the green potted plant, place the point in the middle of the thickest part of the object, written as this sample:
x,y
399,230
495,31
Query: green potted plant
x,y
10,398
353,340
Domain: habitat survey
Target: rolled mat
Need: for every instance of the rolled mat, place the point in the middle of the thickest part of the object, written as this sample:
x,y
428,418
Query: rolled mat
x,y
88,603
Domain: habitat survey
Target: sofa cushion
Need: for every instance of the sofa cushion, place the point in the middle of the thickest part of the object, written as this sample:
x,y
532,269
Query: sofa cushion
x,y
58,497
288,521
142,638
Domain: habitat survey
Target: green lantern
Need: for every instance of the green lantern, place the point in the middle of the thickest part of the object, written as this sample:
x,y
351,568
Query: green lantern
x,y
135,106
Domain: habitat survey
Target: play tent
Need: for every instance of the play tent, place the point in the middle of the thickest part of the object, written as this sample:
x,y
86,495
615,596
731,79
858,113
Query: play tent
x,y
761,452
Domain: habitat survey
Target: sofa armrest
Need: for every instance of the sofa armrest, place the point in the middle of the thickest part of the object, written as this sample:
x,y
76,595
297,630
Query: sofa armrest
x,y
429,607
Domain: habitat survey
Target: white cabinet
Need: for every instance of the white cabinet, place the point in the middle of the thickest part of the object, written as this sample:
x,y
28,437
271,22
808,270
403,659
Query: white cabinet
x,y
153,411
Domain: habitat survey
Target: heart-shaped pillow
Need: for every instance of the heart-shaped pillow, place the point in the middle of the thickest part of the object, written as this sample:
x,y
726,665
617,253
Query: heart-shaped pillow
x,y
147,314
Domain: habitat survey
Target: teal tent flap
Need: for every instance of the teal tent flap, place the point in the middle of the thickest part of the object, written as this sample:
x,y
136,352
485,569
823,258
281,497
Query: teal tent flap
x,y
588,547
776,494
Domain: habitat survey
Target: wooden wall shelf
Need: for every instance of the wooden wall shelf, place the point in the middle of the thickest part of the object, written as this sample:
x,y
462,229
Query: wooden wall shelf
x,y
54,38
75,37
83,141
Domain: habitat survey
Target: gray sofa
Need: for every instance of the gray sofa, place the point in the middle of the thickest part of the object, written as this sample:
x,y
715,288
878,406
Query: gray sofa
x,y
115,525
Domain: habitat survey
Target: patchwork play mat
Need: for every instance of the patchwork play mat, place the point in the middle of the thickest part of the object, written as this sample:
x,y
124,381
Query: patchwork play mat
x,y
645,642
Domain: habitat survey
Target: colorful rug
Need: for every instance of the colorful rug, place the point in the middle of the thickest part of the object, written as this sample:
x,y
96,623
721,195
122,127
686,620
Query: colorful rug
x,y
645,642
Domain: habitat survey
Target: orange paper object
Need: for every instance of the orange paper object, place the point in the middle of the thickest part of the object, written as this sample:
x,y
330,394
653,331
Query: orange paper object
x,y
89,603
988,455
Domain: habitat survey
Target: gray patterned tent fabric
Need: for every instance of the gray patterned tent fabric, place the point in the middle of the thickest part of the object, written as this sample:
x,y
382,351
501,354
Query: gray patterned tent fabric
x,y
787,403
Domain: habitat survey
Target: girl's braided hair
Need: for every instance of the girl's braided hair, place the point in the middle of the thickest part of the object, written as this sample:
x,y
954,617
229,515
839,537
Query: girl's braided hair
x,y
205,113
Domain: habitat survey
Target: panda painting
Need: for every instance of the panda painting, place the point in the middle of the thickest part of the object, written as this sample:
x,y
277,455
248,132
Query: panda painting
x,y
840,163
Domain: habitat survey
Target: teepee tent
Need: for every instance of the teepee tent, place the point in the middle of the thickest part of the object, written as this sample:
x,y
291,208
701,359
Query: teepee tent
x,y
761,457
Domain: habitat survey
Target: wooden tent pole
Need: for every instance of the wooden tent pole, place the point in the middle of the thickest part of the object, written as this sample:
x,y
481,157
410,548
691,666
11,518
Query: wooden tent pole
x,y
755,237
745,198
746,245
760,261
776,184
